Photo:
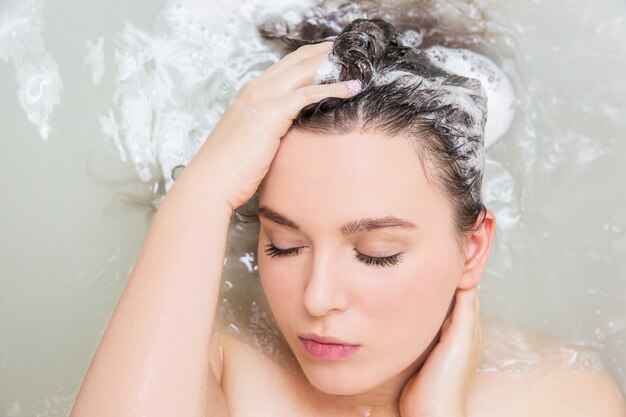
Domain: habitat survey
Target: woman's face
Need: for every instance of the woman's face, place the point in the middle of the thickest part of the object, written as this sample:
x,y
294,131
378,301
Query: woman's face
x,y
336,203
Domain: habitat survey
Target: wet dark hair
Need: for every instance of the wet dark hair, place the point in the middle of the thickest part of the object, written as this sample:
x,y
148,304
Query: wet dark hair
x,y
405,92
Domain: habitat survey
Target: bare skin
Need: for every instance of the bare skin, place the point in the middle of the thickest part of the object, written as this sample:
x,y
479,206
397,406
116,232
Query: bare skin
x,y
557,392
160,356
330,286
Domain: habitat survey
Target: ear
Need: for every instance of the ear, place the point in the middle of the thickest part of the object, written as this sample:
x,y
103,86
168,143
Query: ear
x,y
477,249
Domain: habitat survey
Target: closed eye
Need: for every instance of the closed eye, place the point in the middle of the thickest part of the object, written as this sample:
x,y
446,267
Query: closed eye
x,y
382,261
273,251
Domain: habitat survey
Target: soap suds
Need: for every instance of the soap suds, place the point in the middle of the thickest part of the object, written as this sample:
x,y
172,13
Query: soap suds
x,y
496,87
173,83
94,58
36,73
464,130
501,101
328,72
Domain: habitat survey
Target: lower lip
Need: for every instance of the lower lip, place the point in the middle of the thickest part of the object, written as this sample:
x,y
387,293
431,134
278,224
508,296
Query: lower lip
x,y
329,351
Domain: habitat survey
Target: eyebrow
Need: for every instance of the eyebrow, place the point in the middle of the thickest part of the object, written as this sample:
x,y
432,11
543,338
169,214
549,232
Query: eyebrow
x,y
349,228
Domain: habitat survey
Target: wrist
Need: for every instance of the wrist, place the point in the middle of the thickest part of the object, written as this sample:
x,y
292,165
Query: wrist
x,y
204,182
221,176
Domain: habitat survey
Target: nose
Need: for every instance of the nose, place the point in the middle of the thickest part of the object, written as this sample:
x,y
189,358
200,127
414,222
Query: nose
x,y
324,292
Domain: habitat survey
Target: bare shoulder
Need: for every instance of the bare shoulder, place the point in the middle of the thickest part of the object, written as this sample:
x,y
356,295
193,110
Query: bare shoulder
x,y
230,352
526,373
559,392
245,370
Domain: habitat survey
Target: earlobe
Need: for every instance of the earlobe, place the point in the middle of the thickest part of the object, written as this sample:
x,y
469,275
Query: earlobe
x,y
477,249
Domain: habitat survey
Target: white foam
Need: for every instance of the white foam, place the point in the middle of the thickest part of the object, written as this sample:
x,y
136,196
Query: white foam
x,y
37,74
94,58
109,127
174,82
500,94
391,76
410,38
327,72
459,96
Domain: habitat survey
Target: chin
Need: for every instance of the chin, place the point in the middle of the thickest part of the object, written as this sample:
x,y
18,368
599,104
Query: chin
x,y
339,387
337,378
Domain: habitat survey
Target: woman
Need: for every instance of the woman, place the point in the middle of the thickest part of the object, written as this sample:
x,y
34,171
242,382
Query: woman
x,y
373,239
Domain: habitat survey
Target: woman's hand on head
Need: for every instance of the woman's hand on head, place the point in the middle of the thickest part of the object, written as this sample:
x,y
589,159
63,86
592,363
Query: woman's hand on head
x,y
244,142
441,387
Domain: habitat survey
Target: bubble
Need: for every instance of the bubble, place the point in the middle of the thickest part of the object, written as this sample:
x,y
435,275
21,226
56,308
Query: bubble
x,y
178,169
411,39
616,325
614,228
599,335
248,260
232,328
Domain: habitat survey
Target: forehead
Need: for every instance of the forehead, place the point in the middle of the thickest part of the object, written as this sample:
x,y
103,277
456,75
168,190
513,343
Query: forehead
x,y
338,177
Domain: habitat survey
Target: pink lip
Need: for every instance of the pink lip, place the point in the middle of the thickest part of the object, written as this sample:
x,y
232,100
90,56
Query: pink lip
x,y
327,348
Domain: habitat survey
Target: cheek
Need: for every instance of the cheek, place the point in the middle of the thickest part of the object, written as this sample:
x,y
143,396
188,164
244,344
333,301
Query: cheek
x,y
280,285
411,303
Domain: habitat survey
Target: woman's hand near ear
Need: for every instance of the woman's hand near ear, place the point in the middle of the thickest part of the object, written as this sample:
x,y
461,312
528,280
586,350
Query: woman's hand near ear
x,y
441,387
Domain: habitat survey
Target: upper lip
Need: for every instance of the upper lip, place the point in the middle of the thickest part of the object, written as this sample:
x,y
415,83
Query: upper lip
x,y
325,339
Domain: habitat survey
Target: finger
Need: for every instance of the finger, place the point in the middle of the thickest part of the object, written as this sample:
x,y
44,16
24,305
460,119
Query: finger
x,y
300,54
300,74
480,339
463,320
478,334
291,104
445,327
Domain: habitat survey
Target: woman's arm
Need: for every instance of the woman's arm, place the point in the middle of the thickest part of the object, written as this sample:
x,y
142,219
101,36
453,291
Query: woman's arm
x,y
153,359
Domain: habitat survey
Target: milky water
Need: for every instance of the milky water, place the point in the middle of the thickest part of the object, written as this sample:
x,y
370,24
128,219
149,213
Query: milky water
x,y
102,101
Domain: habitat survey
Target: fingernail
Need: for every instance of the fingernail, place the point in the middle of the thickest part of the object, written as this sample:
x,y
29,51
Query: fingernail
x,y
354,87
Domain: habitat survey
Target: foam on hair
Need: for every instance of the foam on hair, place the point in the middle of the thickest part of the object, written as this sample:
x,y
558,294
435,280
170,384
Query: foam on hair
x,y
406,91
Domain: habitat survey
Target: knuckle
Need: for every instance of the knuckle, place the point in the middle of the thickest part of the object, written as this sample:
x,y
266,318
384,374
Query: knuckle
x,y
311,94
341,90
306,65
300,63
307,47
322,91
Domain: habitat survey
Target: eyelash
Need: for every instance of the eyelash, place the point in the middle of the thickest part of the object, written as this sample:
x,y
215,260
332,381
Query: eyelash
x,y
273,251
